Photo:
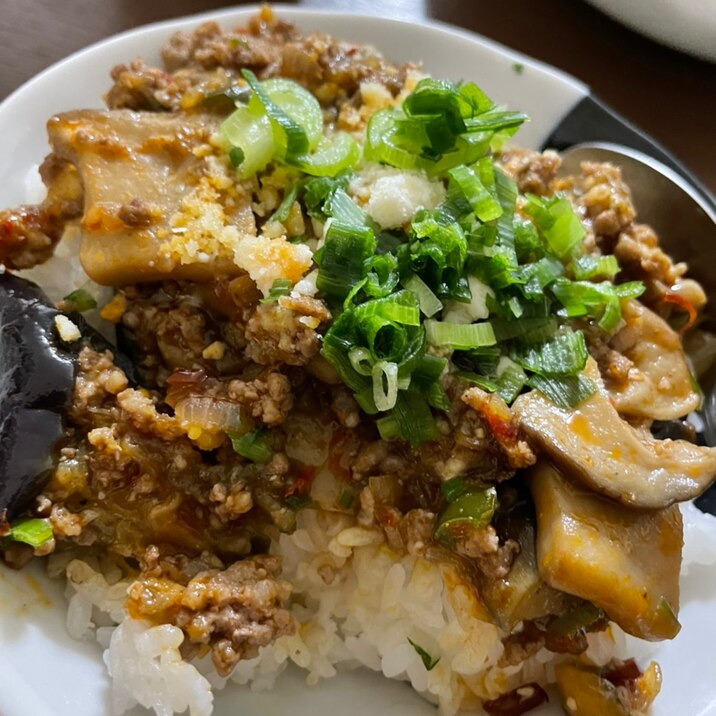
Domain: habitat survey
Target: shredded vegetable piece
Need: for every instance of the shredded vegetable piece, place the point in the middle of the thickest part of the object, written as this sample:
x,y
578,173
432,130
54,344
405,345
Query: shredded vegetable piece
x,y
34,532
253,446
460,335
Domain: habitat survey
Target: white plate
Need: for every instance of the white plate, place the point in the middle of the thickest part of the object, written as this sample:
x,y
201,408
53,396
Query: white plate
x,y
45,673
688,25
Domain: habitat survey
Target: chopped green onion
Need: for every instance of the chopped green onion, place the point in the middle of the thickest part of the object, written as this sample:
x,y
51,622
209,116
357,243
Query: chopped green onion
x,y
454,488
488,384
342,208
389,428
600,300
346,500
430,304
483,203
588,268
566,392
289,198
565,354
236,156
80,300
414,418
344,253
335,351
382,275
280,287
253,446
385,384
437,397
289,120
361,360
575,620
317,192
510,381
460,335
474,508
331,157
527,330
429,662
557,222
251,140
34,532
429,368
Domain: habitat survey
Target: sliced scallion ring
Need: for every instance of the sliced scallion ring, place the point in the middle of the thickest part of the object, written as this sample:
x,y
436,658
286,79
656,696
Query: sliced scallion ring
x,y
253,135
385,384
292,115
331,157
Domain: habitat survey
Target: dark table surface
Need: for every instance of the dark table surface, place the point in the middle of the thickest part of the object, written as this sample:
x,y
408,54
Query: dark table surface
x,y
671,95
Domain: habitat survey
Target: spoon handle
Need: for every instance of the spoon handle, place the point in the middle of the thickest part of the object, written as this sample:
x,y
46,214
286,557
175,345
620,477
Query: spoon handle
x,y
593,121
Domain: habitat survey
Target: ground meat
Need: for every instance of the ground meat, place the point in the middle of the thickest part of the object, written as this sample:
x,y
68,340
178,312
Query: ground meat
x,y
534,635
269,398
208,47
169,327
533,172
98,380
306,306
135,213
482,545
202,63
141,87
602,197
28,234
638,252
613,366
235,611
345,408
275,335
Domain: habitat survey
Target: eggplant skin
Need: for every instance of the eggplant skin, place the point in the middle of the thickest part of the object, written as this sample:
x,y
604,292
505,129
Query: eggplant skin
x,y
37,377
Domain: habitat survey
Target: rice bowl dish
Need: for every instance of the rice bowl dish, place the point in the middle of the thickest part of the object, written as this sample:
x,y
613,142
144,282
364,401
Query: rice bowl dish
x,y
427,623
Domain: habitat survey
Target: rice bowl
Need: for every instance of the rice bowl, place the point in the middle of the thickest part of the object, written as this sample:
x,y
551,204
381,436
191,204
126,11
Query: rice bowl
x,y
340,627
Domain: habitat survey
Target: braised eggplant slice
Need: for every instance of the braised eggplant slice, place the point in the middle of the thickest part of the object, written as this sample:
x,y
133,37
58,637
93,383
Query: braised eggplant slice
x,y
38,374
610,456
37,378
624,561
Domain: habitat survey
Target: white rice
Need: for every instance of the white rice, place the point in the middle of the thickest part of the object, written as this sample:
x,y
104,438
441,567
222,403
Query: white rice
x,y
375,601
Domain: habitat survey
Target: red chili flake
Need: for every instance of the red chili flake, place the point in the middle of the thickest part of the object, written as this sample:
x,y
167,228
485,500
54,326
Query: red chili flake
x,y
517,702
301,484
620,673
684,305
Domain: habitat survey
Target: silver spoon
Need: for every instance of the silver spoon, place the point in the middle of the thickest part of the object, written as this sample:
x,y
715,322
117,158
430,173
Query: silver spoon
x,y
683,217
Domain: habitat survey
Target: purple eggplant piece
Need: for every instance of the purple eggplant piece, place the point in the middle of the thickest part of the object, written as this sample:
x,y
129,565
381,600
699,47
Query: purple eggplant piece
x,y
37,376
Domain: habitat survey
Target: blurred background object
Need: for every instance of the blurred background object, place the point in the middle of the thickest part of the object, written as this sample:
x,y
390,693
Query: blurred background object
x,y
688,25
669,94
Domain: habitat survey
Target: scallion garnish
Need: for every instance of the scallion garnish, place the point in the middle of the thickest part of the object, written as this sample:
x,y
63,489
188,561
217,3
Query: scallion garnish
x,y
79,300
460,335
34,532
253,446
564,354
507,274
566,392
429,662
280,287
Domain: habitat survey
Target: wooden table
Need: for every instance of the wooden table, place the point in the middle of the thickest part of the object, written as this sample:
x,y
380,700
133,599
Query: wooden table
x,y
671,95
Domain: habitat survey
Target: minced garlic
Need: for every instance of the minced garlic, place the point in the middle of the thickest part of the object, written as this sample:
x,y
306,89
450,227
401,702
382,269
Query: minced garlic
x,y
66,329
